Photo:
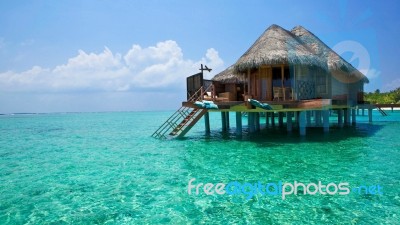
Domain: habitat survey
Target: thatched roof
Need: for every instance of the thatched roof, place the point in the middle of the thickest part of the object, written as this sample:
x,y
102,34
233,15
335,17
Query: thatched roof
x,y
277,46
334,61
229,76
298,47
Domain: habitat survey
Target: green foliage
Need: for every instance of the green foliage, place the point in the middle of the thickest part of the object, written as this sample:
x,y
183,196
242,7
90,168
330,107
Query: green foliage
x,y
383,98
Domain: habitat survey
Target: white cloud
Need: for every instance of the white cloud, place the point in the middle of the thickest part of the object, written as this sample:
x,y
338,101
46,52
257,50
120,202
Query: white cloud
x,y
371,73
393,85
153,67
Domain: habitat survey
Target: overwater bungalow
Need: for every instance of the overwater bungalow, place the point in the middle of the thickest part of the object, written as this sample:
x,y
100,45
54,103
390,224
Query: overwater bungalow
x,y
284,74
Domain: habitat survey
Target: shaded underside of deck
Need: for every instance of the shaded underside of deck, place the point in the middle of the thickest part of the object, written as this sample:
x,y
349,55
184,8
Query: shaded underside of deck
x,y
300,114
279,106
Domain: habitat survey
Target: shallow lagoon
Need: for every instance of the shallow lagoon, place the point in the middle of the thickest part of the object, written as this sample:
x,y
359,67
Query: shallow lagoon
x,y
105,168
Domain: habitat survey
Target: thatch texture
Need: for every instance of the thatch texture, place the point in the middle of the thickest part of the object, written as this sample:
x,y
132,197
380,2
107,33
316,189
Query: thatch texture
x,y
229,77
336,64
298,47
278,46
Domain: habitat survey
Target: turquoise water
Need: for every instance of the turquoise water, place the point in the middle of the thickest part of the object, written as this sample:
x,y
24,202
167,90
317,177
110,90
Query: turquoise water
x,y
104,168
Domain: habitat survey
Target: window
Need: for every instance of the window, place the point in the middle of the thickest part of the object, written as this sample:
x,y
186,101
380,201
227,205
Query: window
x,y
321,84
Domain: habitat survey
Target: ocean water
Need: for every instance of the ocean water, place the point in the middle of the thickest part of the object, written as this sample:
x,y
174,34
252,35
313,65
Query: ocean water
x,y
104,168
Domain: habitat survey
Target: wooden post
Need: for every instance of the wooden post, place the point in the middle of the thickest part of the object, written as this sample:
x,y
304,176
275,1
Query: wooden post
x,y
353,116
267,119
308,113
282,78
289,121
362,112
273,119
326,120
346,116
250,117
280,118
340,117
248,82
239,123
302,123
370,115
318,118
223,119
207,122
227,120
296,117
257,121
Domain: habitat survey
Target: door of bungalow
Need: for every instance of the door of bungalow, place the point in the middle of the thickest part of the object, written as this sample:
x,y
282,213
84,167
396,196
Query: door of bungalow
x,y
282,82
266,83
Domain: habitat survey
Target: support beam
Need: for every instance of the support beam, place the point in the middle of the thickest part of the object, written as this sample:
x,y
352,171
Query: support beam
x,y
227,120
353,117
207,122
280,118
238,123
257,121
363,112
223,119
289,125
340,117
250,117
318,118
325,115
282,79
248,82
267,115
302,123
370,115
273,119
346,117
308,113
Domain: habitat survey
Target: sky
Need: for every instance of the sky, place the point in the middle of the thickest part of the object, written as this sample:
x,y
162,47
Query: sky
x,y
128,55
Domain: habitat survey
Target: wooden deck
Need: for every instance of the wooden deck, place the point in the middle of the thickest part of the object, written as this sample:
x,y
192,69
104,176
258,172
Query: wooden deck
x,y
278,106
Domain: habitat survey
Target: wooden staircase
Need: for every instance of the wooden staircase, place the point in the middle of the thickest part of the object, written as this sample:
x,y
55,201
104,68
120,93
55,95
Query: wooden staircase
x,y
182,120
381,111
179,123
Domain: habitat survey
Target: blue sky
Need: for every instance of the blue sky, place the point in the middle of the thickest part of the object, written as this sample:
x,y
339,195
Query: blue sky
x,y
122,55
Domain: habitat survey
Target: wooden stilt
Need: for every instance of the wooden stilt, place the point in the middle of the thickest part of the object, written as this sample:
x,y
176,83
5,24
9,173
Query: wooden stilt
x,y
340,117
238,123
280,118
318,118
346,117
267,119
326,120
302,123
257,121
363,112
370,115
207,122
227,120
273,119
308,113
289,121
223,119
250,117
353,116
